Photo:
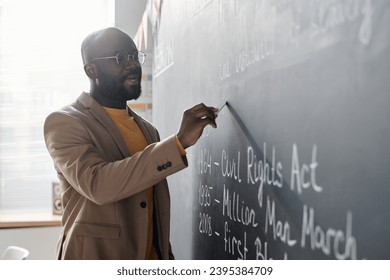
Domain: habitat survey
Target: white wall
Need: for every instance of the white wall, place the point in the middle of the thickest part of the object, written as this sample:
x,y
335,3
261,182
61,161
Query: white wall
x,y
40,241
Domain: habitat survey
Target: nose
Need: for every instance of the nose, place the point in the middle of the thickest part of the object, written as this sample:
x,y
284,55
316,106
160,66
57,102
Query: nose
x,y
132,67
131,64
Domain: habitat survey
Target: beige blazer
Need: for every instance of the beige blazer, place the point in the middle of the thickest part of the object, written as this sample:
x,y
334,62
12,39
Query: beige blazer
x,y
105,211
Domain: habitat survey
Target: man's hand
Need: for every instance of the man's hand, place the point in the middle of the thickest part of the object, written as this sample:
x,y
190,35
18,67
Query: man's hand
x,y
194,121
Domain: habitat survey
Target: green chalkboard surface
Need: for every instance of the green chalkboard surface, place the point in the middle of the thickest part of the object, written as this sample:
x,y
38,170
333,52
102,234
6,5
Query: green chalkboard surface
x,y
299,166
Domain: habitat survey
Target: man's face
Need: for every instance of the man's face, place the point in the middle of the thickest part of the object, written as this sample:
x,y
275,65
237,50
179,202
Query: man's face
x,y
120,85
118,81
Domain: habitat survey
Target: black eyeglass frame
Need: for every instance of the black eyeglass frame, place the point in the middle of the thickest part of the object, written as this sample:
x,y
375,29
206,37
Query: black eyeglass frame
x,y
138,57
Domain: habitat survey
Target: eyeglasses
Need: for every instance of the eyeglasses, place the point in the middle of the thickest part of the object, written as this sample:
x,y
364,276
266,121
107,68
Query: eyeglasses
x,y
123,57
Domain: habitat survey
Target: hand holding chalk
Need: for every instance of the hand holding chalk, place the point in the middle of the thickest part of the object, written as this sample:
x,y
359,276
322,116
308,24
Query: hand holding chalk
x,y
193,122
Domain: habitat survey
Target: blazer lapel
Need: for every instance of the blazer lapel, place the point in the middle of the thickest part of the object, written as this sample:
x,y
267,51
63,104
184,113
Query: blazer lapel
x,y
100,114
145,130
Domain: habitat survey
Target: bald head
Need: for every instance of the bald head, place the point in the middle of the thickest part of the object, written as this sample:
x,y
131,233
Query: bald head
x,y
105,42
112,83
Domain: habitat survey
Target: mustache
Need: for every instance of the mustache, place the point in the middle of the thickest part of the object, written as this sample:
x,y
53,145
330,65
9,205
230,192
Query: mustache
x,y
131,74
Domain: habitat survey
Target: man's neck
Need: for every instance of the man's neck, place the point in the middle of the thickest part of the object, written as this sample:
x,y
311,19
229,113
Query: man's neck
x,y
108,102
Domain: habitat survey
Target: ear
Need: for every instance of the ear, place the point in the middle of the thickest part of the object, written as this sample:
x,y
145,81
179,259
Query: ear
x,y
90,70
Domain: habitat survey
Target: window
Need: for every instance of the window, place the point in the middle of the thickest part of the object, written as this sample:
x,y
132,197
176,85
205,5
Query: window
x,y
40,71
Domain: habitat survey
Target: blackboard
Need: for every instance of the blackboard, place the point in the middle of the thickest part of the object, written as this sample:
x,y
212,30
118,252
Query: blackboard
x,y
298,167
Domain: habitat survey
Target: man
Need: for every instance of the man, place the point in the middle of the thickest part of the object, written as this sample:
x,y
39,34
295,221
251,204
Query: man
x,y
111,163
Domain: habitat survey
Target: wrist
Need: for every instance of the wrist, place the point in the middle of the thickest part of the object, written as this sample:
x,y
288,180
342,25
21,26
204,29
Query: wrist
x,y
180,146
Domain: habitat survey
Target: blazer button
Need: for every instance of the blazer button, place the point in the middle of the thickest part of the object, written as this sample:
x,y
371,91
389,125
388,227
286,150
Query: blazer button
x,y
143,204
168,164
159,168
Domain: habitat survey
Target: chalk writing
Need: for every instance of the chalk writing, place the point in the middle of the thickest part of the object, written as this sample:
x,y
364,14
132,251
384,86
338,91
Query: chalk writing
x,y
237,210
228,203
230,166
205,195
234,245
259,170
163,57
253,53
327,15
205,224
205,161
222,8
280,230
224,66
329,240
298,172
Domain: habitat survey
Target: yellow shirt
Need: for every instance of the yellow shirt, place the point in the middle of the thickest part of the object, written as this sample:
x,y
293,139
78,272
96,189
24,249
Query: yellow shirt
x,y
135,141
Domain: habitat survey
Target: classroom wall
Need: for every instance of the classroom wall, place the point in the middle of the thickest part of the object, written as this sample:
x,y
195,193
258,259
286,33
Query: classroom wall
x,y
42,241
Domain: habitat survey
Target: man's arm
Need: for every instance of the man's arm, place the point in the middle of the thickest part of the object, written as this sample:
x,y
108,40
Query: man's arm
x,y
81,163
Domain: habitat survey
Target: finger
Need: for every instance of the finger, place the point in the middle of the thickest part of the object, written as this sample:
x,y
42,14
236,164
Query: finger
x,y
205,114
206,111
198,106
201,106
208,121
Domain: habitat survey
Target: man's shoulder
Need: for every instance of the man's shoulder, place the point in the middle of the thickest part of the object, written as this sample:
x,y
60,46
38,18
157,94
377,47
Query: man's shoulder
x,y
74,109
75,116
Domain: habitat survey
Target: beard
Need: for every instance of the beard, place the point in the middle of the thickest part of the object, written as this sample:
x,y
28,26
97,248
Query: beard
x,y
114,87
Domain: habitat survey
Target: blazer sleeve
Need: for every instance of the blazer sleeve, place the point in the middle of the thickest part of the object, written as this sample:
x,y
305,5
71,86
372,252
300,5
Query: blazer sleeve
x,y
77,158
